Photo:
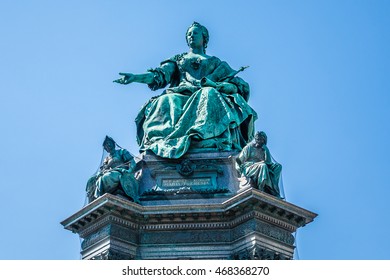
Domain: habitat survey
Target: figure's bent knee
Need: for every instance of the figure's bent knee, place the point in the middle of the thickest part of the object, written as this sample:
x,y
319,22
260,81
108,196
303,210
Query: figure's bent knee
x,y
278,167
210,92
262,164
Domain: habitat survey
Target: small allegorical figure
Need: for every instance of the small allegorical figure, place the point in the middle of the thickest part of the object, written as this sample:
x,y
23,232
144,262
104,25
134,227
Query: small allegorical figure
x,y
115,175
255,164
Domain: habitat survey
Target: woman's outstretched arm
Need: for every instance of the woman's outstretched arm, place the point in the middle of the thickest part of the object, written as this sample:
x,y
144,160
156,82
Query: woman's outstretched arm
x,y
146,78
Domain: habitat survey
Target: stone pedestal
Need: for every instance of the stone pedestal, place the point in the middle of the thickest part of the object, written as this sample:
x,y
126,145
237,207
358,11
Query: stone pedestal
x,y
191,208
250,225
196,178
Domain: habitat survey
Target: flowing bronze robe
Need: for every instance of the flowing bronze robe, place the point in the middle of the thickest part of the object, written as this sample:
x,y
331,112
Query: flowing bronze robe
x,y
187,115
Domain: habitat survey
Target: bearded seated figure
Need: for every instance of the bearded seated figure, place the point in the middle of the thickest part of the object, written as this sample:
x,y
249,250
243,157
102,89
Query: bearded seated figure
x,y
256,167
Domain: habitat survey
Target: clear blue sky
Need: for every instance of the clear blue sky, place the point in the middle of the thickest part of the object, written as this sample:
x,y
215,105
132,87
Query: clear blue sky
x,y
319,77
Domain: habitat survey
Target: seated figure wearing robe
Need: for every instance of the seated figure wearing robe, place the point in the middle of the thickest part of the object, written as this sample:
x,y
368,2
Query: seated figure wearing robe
x,y
116,174
256,167
205,105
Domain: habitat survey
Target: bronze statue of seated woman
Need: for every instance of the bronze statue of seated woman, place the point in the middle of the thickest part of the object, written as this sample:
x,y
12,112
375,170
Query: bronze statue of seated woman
x,y
204,107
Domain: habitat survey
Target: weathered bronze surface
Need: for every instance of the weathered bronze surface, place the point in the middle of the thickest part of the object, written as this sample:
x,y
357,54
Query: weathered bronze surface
x,y
116,174
205,105
257,168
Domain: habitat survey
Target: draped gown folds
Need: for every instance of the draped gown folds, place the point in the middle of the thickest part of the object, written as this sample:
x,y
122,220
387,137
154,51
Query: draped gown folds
x,y
188,116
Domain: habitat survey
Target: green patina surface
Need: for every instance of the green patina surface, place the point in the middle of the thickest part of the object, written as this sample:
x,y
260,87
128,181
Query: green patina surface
x,y
256,165
204,106
116,174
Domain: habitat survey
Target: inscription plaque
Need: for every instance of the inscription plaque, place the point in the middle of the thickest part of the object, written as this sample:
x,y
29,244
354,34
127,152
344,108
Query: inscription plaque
x,y
186,182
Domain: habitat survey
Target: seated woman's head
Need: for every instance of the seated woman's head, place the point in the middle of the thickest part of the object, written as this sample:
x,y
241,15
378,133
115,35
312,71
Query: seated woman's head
x,y
194,30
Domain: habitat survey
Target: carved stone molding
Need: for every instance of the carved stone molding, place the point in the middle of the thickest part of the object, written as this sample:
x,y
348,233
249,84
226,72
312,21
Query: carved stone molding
x,y
258,253
112,255
250,225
